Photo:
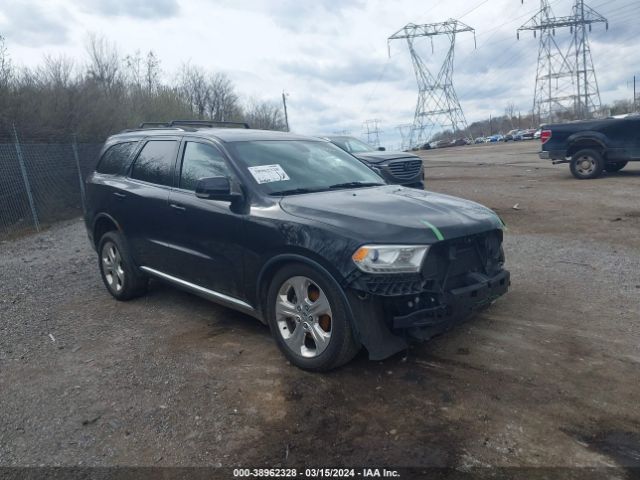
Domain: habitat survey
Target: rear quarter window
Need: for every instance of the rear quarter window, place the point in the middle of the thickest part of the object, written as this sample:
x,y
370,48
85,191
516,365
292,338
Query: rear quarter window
x,y
116,160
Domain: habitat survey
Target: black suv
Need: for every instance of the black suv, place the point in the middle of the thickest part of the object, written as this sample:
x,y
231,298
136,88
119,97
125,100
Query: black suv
x,y
293,231
400,168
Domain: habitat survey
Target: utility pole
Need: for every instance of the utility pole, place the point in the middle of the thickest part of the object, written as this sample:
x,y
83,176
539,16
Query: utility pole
x,y
565,82
635,104
286,115
437,106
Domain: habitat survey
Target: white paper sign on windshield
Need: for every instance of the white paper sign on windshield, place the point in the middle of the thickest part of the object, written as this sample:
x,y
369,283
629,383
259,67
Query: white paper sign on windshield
x,y
269,173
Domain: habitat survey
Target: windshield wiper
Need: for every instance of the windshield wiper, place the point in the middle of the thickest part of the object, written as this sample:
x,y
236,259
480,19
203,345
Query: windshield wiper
x,y
356,185
295,191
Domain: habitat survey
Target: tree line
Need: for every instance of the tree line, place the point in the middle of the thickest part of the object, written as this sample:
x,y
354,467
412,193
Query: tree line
x,y
512,119
107,92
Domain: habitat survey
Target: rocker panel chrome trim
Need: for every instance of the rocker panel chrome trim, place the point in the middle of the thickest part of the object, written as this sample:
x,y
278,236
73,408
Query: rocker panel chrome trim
x,y
217,296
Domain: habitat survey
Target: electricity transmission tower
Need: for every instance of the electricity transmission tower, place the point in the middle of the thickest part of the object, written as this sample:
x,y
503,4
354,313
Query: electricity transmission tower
x,y
371,130
565,81
405,131
437,106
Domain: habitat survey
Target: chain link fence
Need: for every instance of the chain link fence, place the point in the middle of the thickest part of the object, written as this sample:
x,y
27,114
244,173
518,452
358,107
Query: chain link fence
x,y
42,180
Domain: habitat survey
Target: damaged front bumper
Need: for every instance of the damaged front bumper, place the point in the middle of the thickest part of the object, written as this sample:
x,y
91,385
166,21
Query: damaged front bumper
x,y
458,303
458,277
385,324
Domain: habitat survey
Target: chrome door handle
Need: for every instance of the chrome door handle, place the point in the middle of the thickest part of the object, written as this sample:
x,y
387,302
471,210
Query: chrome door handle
x,y
177,207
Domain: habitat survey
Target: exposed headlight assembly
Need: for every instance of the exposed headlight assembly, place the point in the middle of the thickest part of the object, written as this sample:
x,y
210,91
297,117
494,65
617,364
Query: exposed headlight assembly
x,y
390,258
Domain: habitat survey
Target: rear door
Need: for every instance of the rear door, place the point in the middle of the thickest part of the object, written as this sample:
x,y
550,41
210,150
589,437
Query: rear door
x,y
144,204
106,187
206,235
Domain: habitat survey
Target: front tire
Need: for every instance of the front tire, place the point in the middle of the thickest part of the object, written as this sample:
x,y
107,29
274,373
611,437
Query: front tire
x,y
615,167
586,164
309,318
117,269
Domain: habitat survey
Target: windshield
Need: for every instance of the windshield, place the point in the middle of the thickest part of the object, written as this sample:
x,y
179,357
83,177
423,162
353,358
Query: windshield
x,y
282,167
353,145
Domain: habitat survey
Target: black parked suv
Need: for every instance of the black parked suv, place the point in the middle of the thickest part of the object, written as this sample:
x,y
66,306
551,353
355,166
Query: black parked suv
x,y
400,168
293,231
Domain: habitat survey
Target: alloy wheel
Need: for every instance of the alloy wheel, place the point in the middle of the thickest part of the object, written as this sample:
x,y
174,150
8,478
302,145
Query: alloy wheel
x,y
303,316
112,266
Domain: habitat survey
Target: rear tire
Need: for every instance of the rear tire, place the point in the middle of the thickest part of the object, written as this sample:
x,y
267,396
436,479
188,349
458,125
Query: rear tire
x,y
614,167
586,164
309,318
117,269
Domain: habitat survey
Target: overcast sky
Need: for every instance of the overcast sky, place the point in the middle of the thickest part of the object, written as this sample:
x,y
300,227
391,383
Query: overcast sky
x,y
329,55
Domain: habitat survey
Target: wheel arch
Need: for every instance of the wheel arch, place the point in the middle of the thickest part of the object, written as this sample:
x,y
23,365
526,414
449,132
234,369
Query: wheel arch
x,y
279,260
102,224
594,141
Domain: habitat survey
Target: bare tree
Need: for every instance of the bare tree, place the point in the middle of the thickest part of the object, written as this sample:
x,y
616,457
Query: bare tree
x,y
104,61
57,71
265,115
133,69
152,72
222,100
195,88
510,112
5,64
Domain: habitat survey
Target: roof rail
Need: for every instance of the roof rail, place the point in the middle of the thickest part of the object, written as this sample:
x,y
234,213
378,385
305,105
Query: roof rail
x,y
203,123
153,124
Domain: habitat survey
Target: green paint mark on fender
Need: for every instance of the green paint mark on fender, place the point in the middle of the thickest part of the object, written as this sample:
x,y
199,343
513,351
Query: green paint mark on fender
x,y
502,224
434,229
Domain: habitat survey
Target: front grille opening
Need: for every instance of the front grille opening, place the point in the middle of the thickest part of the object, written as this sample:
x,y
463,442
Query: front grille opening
x,y
454,263
406,169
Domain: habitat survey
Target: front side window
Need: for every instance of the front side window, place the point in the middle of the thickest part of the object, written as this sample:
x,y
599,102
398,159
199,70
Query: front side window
x,y
155,162
201,160
299,166
116,159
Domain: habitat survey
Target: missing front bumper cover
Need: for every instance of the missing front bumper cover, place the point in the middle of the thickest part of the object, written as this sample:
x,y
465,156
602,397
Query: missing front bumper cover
x,y
457,304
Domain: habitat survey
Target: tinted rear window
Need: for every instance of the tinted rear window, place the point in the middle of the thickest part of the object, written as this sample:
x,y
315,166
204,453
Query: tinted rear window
x,y
155,162
116,160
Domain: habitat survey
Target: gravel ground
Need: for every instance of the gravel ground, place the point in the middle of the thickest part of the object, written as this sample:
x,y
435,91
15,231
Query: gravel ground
x,y
547,376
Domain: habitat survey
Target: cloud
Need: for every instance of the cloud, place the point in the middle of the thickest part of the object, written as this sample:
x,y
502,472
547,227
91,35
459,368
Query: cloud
x,y
141,9
352,71
34,25
302,16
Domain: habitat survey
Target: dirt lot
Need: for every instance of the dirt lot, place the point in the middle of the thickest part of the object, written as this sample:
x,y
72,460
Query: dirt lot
x,y
548,376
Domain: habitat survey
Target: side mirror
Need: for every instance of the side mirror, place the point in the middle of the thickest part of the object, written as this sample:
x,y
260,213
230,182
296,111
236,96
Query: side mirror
x,y
381,149
218,188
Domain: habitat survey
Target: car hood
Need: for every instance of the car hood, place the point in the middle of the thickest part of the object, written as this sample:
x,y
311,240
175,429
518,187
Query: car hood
x,y
392,214
379,157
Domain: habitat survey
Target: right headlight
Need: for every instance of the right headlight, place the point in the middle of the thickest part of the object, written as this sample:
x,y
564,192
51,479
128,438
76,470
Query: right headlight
x,y
390,258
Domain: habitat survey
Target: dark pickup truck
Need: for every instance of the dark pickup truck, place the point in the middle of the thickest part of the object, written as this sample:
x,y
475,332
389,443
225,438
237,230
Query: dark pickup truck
x,y
593,146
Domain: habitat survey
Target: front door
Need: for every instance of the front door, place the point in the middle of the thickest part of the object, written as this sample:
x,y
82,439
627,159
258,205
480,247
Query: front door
x,y
206,234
